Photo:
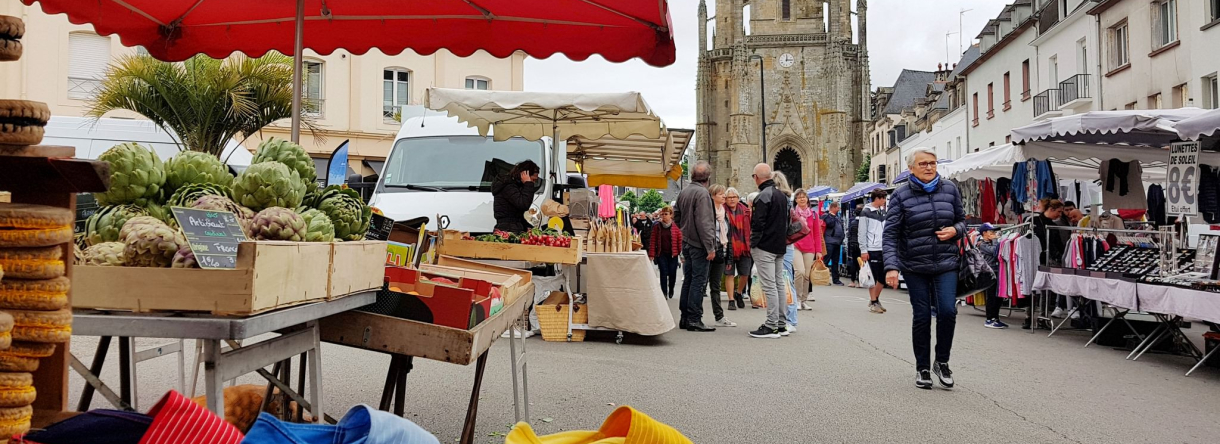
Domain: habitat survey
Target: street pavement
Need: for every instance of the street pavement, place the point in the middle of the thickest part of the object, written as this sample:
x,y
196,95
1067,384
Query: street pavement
x,y
846,375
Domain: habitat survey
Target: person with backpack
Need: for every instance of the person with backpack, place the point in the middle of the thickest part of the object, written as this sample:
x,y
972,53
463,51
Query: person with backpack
x,y
924,223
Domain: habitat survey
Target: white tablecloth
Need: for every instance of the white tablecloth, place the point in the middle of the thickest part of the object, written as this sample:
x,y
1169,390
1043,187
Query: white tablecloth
x,y
624,294
1184,302
1118,293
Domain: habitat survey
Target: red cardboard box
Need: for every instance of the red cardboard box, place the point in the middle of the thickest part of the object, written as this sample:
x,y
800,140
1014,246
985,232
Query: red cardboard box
x,y
434,298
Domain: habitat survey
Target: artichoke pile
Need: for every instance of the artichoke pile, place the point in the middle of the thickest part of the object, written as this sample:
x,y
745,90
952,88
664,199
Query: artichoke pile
x,y
276,198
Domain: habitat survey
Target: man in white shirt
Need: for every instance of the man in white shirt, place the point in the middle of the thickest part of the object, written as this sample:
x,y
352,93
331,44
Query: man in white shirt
x,y
872,227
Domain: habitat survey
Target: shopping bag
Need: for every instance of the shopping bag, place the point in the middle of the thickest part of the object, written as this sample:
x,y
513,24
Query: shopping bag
x,y
819,274
974,272
756,294
866,275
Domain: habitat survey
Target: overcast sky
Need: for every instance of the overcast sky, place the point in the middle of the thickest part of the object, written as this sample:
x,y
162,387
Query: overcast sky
x,y
902,34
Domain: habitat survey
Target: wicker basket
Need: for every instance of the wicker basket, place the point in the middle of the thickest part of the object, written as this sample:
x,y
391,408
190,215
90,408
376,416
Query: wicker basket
x,y
553,318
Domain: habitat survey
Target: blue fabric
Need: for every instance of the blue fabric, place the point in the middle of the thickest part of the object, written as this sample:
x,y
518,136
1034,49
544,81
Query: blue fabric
x,y
120,428
1019,170
909,241
790,280
927,187
1047,185
926,291
361,425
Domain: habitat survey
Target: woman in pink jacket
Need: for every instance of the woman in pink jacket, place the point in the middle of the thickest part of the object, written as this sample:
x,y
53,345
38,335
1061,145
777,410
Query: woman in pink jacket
x,y
808,249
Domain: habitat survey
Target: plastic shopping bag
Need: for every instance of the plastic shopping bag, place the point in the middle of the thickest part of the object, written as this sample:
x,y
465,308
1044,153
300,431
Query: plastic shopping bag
x,y
866,275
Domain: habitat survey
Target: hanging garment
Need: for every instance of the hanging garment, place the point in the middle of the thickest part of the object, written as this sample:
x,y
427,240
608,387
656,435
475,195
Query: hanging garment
x,y
1122,185
606,208
1029,249
1019,181
1044,177
987,202
1209,194
1156,205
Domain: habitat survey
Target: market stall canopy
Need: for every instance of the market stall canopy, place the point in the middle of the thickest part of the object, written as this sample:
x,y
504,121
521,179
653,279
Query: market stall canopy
x,y
1195,128
534,115
1153,127
861,189
175,30
820,190
1070,161
636,161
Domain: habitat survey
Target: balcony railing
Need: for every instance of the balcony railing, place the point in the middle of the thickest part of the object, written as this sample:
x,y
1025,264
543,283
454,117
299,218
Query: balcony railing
x,y
1074,88
81,88
1046,102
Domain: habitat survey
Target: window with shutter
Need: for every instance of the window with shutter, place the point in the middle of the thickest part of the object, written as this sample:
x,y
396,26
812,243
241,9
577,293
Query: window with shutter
x,y
314,101
88,56
395,92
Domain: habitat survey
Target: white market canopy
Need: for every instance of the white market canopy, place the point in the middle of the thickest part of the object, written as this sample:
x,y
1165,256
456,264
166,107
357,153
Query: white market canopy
x,y
1195,128
534,115
1127,127
635,161
1072,161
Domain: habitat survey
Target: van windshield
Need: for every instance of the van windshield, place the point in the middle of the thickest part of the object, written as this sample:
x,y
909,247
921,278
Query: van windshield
x,y
455,162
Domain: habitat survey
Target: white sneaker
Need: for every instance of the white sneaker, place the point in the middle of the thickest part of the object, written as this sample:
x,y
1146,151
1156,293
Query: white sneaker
x,y
791,329
805,306
810,299
725,323
1076,315
1058,313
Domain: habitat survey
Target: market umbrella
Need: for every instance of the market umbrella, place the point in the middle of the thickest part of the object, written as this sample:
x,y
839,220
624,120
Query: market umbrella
x,y
861,189
175,30
635,161
1152,127
820,190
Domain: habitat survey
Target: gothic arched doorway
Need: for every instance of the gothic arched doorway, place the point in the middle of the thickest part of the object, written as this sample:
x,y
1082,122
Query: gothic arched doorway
x,y
788,162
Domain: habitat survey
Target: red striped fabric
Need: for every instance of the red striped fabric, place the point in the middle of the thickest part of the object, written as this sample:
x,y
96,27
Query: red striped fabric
x,y
178,420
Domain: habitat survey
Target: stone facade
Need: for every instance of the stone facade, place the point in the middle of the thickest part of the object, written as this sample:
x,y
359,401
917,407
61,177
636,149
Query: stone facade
x,y
815,96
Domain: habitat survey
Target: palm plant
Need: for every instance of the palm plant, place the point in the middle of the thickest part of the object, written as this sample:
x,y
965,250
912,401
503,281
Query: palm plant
x,y
204,101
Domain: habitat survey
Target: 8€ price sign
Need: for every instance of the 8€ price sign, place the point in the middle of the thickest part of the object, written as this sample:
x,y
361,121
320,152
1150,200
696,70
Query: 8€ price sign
x,y
1182,180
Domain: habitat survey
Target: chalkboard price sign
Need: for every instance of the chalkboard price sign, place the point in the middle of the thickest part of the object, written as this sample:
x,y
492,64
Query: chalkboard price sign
x,y
379,228
213,235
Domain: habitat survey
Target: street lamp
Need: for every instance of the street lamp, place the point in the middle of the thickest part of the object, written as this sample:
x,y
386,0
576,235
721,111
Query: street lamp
x,y
762,104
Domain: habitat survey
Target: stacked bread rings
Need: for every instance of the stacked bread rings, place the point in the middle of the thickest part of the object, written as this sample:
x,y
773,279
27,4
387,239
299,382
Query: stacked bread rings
x,y
33,302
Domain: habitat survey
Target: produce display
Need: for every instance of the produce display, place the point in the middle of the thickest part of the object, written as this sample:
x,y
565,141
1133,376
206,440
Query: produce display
x,y
274,199
536,236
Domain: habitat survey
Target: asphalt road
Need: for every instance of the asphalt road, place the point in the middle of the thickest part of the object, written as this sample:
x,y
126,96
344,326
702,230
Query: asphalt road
x,y
846,375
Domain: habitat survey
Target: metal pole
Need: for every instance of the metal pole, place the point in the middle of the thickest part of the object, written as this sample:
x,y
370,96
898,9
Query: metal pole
x,y
762,105
296,72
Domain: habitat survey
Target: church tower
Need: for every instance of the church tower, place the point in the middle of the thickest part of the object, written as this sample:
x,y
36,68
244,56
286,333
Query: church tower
x,y
802,68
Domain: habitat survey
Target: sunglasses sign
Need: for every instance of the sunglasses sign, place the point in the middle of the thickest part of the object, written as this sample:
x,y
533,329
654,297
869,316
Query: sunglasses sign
x,y
1182,182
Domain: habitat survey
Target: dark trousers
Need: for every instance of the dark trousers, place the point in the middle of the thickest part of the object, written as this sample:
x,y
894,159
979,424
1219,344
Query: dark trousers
x,y
927,289
993,303
694,283
715,280
669,273
832,260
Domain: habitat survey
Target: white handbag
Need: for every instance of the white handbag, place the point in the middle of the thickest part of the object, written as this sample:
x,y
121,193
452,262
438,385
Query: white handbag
x,y
866,275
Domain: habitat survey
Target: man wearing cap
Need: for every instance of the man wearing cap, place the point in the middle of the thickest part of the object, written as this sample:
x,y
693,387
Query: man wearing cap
x,y
989,245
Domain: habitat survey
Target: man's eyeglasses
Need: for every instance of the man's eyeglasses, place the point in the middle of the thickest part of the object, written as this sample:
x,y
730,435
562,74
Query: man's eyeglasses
x,y
926,165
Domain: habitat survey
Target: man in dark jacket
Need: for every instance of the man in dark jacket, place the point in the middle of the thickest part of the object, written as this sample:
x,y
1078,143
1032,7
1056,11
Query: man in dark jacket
x,y
695,214
768,243
642,224
512,195
834,241
924,222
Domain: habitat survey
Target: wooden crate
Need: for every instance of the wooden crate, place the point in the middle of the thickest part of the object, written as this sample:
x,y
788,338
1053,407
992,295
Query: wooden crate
x,y
512,252
269,275
355,266
389,334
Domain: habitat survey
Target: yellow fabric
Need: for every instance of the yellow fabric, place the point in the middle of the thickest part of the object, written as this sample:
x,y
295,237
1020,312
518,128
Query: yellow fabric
x,y
625,426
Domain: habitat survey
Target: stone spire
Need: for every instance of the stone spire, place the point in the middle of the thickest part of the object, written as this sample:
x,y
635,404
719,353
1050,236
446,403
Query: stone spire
x,y
702,27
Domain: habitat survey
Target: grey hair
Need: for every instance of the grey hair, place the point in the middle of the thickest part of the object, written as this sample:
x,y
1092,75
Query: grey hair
x,y
702,172
750,198
732,192
916,152
781,183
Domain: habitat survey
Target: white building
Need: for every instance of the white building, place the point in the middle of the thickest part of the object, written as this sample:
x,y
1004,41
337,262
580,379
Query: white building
x,y
1001,84
1159,54
1068,61
940,121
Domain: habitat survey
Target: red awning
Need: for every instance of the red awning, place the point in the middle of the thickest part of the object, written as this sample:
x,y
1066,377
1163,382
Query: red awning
x,y
175,30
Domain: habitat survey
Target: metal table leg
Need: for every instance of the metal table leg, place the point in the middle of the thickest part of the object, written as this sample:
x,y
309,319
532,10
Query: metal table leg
x,y
518,363
1202,361
1156,333
125,370
99,359
472,410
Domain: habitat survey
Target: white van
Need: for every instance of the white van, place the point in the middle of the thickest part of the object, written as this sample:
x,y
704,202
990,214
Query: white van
x,y
92,137
439,165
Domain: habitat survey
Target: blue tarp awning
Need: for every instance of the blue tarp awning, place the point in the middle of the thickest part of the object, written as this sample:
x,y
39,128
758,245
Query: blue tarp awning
x,y
861,189
821,190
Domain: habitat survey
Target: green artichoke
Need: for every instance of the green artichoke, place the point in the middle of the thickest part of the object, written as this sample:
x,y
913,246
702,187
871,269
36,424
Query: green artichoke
x,y
161,212
221,203
268,184
104,225
152,245
289,154
278,223
135,222
184,258
190,193
194,167
136,175
346,210
318,227
105,254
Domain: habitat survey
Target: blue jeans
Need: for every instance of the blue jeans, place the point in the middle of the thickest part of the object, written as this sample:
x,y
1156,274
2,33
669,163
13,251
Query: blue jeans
x,y
926,289
694,283
790,280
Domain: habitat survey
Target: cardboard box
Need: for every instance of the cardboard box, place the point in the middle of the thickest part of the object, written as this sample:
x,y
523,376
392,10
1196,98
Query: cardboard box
x,y
426,296
269,275
455,246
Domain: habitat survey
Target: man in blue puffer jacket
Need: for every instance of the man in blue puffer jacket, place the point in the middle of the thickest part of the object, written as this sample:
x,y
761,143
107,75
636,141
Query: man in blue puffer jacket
x,y
924,222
